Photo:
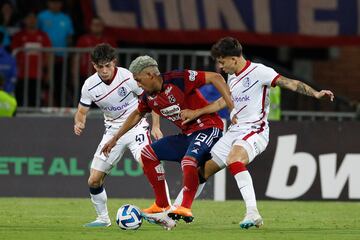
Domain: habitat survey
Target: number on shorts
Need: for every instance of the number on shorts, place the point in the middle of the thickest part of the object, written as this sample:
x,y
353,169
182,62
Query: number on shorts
x,y
140,138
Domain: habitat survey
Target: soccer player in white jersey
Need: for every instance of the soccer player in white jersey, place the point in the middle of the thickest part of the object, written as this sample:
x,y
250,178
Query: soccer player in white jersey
x,y
248,135
114,90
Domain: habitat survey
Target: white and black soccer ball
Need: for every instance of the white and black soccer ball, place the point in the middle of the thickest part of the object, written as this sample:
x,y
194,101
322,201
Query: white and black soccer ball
x,y
129,217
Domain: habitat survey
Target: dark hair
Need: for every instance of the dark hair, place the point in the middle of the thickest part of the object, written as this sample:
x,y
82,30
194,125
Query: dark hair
x,y
103,53
226,47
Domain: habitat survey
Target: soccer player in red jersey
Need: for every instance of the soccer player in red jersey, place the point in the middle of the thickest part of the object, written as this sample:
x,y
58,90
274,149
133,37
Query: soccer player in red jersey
x,y
167,94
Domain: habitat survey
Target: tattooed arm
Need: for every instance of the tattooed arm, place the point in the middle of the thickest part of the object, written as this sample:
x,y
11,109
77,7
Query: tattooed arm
x,y
300,87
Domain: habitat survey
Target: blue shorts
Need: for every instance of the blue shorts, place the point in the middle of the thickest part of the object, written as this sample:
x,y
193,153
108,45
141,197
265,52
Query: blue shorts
x,y
196,145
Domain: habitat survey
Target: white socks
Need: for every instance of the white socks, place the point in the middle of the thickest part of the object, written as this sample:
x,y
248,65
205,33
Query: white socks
x,y
99,202
245,184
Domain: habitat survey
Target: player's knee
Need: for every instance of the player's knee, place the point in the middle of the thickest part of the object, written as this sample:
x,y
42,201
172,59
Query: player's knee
x,y
240,155
94,182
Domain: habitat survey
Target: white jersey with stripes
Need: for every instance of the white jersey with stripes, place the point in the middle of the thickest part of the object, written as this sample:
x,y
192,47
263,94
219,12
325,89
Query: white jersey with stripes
x,y
250,93
116,100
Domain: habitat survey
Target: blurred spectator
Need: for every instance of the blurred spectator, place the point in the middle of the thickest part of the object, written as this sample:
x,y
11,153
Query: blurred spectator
x,y
94,37
56,24
8,103
211,94
275,104
7,68
59,28
10,18
5,39
31,64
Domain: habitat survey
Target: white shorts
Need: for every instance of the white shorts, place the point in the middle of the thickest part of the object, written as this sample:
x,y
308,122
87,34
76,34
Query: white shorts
x,y
135,139
253,139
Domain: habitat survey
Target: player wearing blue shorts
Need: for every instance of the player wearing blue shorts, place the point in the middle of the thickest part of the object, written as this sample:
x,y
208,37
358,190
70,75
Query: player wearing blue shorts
x,y
168,94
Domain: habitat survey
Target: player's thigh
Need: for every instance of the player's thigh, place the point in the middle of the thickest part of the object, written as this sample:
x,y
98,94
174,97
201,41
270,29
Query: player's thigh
x,y
253,145
103,163
171,148
201,142
222,148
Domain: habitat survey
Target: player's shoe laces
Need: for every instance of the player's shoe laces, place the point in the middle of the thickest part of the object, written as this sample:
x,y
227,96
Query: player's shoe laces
x,y
182,213
161,219
154,208
99,222
251,220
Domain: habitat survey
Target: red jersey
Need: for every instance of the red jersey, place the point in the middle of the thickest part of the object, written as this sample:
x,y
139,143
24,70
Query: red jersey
x,y
179,92
37,39
89,41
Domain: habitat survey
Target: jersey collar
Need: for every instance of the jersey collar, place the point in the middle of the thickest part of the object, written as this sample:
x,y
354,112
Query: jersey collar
x,y
247,64
113,77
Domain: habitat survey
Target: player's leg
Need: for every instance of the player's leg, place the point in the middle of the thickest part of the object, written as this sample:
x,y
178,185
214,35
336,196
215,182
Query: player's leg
x,y
237,161
100,167
154,171
98,198
197,153
242,153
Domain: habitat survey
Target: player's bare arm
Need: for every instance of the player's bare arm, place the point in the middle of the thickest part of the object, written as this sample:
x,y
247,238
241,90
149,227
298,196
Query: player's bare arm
x,y
80,119
300,87
155,129
130,122
188,115
219,83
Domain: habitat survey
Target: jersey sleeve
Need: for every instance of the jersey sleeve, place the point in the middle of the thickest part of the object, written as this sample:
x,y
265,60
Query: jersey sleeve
x,y
193,80
85,98
143,106
269,76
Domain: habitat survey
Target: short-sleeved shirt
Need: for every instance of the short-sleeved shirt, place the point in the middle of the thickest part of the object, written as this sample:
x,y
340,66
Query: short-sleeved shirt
x,y
117,100
179,92
29,39
250,93
58,26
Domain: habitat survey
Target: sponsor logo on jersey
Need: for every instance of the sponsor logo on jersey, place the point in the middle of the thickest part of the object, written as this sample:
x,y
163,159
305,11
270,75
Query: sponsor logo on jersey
x,y
115,108
241,99
246,82
171,110
122,91
192,75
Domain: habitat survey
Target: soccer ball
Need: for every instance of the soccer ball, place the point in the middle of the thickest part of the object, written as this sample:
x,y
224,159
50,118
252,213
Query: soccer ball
x,y
129,217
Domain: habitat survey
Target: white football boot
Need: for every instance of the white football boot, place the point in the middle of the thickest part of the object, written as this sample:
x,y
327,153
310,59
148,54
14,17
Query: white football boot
x,y
251,219
161,219
99,222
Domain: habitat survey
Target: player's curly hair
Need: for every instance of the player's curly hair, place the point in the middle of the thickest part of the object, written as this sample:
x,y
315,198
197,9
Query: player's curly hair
x,y
226,47
103,53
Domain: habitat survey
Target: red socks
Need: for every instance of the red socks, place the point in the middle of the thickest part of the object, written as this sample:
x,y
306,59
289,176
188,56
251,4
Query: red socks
x,y
190,180
155,173
236,167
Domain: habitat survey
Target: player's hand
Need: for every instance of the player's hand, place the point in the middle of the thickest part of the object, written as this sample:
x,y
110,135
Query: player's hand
x,y
325,93
188,115
233,117
156,133
108,146
78,128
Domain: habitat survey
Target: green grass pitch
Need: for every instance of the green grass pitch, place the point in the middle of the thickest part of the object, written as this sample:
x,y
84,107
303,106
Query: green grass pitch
x,y
44,218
